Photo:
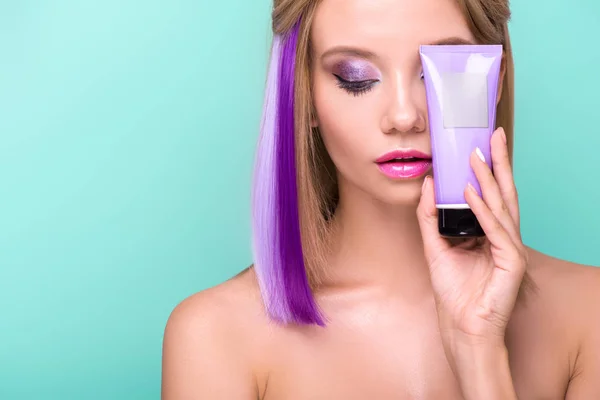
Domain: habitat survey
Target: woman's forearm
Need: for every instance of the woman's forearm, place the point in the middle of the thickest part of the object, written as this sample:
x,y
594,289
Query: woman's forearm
x,y
483,372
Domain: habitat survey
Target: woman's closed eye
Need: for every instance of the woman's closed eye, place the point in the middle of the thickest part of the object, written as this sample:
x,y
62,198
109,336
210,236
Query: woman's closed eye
x,y
355,76
356,88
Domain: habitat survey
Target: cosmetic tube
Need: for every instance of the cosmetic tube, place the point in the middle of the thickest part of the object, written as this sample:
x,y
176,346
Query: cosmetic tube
x,y
461,84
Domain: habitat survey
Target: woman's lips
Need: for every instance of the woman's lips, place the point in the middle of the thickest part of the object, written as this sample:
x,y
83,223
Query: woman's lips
x,y
405,169
404,164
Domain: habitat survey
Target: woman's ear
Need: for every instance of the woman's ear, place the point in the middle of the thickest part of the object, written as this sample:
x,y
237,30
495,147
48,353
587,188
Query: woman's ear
x,y
501,78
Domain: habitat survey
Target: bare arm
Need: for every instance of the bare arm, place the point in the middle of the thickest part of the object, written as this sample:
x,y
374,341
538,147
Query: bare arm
x,y
585,380
484,373
202,356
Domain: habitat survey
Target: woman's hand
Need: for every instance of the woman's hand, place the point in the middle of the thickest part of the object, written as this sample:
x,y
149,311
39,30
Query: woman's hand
x,y
476,282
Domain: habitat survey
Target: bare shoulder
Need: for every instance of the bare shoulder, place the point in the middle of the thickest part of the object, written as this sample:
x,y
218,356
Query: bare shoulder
x,y
569,296
574,285
212,341
236,300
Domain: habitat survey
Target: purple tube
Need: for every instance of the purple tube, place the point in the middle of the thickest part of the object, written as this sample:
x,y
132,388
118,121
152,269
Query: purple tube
x,y
461,83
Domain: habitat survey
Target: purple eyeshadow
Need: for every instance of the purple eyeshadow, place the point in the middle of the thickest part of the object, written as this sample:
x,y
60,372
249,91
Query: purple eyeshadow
x,y
355,70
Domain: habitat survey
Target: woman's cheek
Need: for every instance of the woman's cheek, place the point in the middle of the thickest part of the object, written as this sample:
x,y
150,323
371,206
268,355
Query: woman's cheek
x,y
345,133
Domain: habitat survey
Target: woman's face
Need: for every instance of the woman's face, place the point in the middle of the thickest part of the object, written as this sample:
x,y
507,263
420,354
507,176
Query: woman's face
x,y
368,88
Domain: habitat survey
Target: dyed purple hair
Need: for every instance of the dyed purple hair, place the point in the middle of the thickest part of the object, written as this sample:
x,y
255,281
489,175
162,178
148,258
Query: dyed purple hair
x,y
276,241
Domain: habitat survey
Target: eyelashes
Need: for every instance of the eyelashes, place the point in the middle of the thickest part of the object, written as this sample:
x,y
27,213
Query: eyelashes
x,y
356,88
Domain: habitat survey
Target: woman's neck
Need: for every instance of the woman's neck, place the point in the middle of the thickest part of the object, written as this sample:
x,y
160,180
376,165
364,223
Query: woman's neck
x,y
377,246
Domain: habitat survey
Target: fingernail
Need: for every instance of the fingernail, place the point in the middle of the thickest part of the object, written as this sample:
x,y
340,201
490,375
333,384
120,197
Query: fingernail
x,y
503,135
480,154
424,184
472,188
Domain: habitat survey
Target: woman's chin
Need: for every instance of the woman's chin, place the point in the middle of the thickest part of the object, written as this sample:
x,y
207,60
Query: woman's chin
x,y
397,193
406,199
405,196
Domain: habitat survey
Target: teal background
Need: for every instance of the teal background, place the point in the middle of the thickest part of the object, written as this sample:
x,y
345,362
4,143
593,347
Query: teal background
x,y
127,131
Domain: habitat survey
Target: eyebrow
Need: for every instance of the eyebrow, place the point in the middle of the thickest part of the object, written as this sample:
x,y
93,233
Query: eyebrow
x,y
451,41
348,50
363,53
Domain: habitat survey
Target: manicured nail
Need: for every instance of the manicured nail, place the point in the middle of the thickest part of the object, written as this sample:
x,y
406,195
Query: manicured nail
x,y
480,154
472,188
503,135
424,184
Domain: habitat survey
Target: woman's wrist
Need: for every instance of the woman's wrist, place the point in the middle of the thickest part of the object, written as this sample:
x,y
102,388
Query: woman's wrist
x,y
483,371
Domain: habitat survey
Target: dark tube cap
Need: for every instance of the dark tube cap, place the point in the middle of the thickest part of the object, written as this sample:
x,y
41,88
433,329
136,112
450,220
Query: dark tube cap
x,y
458,223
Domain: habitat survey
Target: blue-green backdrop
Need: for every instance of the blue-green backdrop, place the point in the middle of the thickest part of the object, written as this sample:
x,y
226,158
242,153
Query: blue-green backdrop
x,y
127,131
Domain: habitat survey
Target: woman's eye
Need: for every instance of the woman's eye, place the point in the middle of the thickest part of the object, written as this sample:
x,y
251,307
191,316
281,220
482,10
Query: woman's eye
x,y
356,87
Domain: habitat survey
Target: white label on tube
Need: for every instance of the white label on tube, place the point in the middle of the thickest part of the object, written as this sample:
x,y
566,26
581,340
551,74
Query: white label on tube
x,y
464,100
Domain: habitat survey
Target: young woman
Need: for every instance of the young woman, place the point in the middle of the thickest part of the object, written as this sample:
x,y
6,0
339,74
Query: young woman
x,y
353,294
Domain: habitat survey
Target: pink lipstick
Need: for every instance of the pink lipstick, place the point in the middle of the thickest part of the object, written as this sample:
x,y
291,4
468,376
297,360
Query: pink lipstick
x,y
404,164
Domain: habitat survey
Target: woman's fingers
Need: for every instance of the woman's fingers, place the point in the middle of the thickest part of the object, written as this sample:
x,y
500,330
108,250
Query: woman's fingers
x,y
497,209
493,196
496,233
504,176
427,214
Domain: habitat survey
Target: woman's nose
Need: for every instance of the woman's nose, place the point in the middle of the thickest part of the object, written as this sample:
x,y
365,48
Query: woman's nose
x,y
404,113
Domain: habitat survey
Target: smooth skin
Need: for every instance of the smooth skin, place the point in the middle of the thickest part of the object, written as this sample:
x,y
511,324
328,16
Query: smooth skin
x,y
410,314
